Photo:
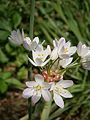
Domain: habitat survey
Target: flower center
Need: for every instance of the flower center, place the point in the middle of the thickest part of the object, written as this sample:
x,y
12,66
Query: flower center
x,y
38,87
65,50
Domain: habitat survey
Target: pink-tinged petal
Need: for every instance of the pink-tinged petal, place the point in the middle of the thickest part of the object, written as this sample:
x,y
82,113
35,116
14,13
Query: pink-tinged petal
x,y
46,95
35,99
39,79
44,63
27,93
65,83
32,62
58,100
31,83
66,94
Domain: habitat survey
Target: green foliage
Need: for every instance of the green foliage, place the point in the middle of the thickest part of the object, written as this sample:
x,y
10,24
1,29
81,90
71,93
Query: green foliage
x,y
7,80
53,19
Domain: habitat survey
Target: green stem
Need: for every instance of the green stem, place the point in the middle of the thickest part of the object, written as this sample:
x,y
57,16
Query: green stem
x,y
32,18
46,111
32,9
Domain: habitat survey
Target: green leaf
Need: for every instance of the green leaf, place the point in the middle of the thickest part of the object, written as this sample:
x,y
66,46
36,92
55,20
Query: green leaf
x,y
23,73
3,35
5,75
3,87
16,19
3,57
15,82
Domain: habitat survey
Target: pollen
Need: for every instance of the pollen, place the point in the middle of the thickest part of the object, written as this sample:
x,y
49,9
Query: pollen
x,y
39,55
65,50
42,54
38,87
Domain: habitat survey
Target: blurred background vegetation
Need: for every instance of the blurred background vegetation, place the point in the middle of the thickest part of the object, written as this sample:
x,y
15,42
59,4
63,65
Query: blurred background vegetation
x,y
53,19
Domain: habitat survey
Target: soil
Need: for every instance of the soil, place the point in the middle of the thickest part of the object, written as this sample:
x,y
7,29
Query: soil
x,y
13,106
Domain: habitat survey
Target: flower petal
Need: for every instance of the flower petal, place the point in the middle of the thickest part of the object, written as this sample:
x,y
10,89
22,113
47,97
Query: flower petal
x,y
35,99
72,50
58,100
31,83
32,62
39,79
66,94
65,83
36,39
65,62
54,54
46,95
44,63
27,93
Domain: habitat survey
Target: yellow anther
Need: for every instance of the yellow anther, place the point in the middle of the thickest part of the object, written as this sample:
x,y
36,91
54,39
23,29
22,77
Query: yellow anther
x,y
39,55
65,50
42,54
38,87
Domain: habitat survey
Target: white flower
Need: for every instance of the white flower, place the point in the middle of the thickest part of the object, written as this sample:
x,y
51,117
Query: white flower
x,y
65,62
57,45
62,49
16,37
83,50
66,50
59,91
31,45
86,62
40,55
36,89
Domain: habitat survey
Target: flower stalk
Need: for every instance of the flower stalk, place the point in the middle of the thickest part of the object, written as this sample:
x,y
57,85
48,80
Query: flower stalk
x,y
32,9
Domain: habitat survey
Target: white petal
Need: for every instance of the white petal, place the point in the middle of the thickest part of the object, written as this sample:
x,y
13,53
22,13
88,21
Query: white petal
x,y
52,85
27,43
66,94
58,100
48,50
32,62
61,42
65,83
46,95
39,79
44,63
46,85
67,44
31,83
72,50
35,99
54,54
86,62
36,39
65,62
79,48
27,93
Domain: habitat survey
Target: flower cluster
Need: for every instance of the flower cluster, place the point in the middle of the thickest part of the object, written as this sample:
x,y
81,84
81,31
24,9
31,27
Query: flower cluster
x,y
52,64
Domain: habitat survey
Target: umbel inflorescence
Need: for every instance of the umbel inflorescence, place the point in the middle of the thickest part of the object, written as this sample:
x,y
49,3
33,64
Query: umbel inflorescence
x,y
52,64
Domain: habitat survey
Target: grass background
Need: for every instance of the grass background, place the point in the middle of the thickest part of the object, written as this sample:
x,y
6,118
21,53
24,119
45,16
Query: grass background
x,y
53,19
